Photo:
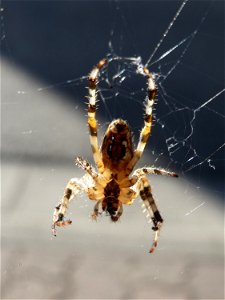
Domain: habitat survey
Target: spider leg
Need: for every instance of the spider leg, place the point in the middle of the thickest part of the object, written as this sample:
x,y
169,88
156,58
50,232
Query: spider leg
x,y
95,213
156,171
92,122
80,162
146,130
128,182
144,187
72,189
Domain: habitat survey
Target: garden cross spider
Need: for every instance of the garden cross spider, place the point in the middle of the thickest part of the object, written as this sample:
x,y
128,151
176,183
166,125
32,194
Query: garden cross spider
x,y
112,185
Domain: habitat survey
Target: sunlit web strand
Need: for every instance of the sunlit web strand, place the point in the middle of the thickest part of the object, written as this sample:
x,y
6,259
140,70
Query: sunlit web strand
x,y
198,109
208,159
210,100
63,83
166,32
171,50
189,40
194,209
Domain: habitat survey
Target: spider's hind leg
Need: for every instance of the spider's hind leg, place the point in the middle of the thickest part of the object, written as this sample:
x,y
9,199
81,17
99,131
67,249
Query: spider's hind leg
x,y
150,205
72,189
152,170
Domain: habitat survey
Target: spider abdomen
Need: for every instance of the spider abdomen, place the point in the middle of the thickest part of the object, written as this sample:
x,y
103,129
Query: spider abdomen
x,y
117,149
111,203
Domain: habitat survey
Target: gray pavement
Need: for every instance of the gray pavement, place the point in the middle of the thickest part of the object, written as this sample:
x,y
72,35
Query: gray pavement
x,y
41,134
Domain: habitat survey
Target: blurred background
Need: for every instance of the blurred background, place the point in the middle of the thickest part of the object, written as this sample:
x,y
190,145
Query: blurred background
x,y
47,50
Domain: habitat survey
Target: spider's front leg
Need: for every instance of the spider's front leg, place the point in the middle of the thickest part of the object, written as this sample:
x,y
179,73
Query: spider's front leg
x,y
72,189
92,122
146,130
95,213
143,186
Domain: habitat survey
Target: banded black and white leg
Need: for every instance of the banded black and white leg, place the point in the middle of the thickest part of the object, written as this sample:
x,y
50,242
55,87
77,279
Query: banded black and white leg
x,y
152,210
83,164
146,130
72,189
92,122
154,171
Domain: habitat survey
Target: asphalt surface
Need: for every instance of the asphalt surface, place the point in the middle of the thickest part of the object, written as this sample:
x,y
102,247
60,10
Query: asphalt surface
x,y
41,135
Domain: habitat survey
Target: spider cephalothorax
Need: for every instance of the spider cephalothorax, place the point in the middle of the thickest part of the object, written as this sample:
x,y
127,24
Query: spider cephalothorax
x,y
112,185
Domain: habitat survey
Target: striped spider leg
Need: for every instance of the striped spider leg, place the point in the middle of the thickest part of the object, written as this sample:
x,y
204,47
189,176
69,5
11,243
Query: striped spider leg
x,y
143,188
73,187
92,122
146,130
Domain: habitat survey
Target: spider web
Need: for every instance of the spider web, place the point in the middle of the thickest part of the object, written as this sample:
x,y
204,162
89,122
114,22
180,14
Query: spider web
x,y
187,133
182,118
178,119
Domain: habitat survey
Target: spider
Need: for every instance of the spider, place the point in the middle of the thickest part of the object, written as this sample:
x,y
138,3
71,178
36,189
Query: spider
x,y
112,185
